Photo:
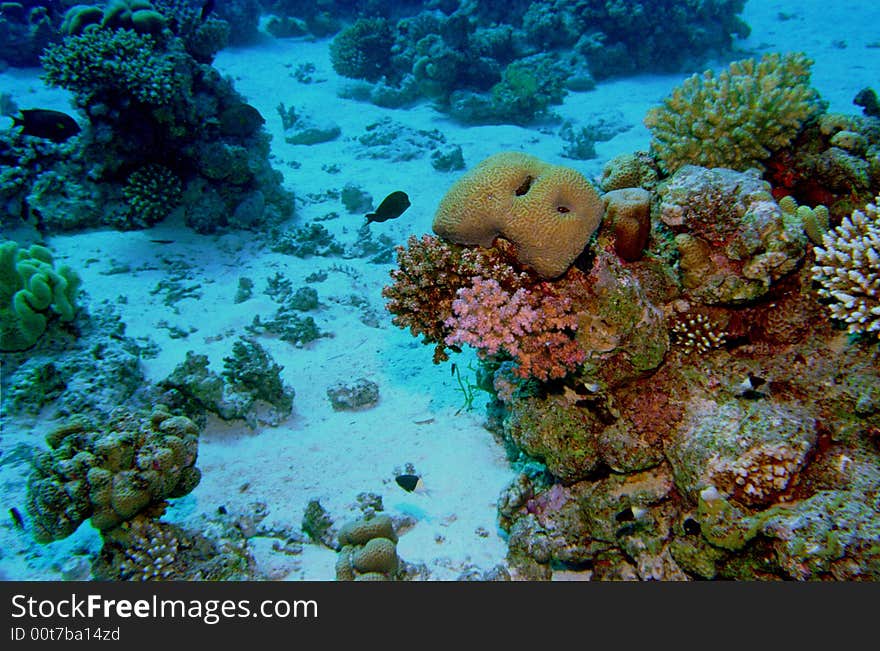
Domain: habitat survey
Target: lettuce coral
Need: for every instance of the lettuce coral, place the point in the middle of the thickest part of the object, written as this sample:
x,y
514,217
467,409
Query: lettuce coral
x,y
737,118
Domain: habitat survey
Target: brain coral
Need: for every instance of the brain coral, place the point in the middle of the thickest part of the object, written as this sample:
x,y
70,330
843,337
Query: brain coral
x,y
738,118
547,211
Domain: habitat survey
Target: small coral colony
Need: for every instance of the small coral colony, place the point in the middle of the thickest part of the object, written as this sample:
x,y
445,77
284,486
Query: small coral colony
x,y
681,355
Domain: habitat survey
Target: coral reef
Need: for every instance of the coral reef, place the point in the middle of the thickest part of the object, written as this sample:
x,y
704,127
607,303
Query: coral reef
x,y
547,211
249,388
691,418
164,128
484,65
733,239
736,119
26,28
83,373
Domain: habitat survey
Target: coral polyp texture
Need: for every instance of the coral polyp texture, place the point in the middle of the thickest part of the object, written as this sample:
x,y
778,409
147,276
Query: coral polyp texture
x,y
848,270
110,472
547,211
737,118
533,327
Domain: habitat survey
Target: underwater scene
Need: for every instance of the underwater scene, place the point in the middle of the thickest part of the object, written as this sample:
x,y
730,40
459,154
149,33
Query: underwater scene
x,y
440,290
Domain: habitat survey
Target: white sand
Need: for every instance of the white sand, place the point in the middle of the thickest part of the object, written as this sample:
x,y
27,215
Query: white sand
x,y
333,456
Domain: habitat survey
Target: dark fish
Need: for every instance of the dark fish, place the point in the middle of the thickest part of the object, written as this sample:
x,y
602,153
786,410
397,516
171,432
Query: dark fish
x,y
16,515
43,123
392,206
241,120
162,241
411,483
207,8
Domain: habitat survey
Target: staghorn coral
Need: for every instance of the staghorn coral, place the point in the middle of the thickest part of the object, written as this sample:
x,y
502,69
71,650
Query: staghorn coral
x,y
848,270
735,119
547,211
32,290
532,326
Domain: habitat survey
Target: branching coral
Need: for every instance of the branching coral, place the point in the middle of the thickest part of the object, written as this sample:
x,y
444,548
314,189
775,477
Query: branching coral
x,y
118,60
428,276
532,326
363,50
848,269
738,118
152,192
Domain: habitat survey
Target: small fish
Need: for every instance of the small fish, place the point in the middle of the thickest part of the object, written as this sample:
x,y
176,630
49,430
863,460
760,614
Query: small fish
x,y
16,516
411,483
392,206
43,123
162,241
207,8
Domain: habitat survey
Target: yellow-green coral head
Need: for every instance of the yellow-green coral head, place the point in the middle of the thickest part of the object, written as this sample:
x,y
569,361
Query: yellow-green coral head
x,y
737,118
547,211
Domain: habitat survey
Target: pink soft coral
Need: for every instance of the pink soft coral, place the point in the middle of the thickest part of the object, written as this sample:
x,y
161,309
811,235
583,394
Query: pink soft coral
x,y
532,325
429,274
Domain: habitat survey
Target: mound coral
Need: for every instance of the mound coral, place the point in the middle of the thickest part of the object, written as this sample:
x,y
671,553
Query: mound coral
x,y
110,472
848,268
32,290
368,550
363,50
547,211
738,118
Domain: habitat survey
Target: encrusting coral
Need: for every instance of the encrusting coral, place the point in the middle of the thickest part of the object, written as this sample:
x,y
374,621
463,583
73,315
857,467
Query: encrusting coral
x,y
848,268
547,211
736,119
